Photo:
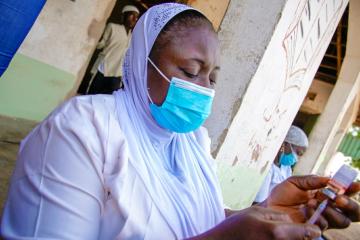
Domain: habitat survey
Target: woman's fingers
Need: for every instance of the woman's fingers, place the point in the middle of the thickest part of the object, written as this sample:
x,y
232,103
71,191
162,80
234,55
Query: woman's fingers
x,y
295,191
293,231
280,226
335,218
258,223
350,207
310,182
353,189
338,214
321,221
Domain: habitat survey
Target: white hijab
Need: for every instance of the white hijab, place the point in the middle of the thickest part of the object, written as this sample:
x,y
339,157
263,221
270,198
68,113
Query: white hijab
x,y
176,169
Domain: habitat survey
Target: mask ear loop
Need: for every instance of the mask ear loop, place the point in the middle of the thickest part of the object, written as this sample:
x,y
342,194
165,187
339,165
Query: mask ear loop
x,y
149,96
291,148
157,69
293,152
160,72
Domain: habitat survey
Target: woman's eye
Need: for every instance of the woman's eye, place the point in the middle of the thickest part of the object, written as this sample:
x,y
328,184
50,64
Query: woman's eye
x,y
189,75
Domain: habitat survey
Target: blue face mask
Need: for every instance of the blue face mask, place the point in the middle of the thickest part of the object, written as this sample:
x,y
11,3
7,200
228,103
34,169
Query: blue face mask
x,y
186,106
288,159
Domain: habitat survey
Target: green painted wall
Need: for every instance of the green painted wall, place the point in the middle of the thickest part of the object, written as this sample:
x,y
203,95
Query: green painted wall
x,y
231,177
350,146
31,89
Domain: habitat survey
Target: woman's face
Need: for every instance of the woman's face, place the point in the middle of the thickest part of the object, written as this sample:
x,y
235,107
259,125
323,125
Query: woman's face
x,y
193,55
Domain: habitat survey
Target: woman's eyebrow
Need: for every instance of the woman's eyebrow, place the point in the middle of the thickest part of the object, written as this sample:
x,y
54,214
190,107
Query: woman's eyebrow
x,y
201,62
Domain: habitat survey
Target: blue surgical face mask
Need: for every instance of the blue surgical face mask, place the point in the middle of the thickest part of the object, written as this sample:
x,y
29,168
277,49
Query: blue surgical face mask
x,y
288,159
186,106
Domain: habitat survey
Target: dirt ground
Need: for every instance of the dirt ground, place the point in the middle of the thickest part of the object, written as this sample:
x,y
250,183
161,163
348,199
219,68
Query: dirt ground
x,y
350,233
8,153
12,131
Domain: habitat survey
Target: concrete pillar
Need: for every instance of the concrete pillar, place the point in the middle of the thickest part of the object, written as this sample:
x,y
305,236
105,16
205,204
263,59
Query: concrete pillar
x,y
270,54
344,93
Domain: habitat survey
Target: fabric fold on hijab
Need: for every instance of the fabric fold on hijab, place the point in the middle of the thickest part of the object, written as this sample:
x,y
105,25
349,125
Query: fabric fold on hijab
x,y
175,168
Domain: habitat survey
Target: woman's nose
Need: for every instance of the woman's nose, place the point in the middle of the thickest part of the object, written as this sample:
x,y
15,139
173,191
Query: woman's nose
x,y
204,82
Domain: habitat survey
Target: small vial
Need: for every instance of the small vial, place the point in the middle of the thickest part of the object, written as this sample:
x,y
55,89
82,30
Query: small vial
x,y
340,182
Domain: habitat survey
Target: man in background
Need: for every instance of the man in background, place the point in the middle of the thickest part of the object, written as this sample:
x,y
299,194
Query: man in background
x,y
293,147
114,43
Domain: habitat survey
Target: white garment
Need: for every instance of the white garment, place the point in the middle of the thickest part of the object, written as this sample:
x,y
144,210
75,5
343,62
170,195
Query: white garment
x,y
73,180
114,44
275,176
177,163
101,67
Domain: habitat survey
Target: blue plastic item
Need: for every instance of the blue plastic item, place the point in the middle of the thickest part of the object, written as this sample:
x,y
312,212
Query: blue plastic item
x,y
16,19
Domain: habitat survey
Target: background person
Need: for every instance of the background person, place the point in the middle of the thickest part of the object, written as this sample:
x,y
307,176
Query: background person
x,y
114,43
293,147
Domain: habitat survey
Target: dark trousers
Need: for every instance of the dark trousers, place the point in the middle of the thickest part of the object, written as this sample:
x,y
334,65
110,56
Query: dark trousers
x,y
104,85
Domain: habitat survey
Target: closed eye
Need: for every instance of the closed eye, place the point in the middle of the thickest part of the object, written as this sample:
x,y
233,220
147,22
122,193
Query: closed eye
x,y
189,75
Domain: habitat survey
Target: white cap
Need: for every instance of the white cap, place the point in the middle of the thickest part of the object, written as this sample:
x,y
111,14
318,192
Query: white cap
x,y
297,137
130,8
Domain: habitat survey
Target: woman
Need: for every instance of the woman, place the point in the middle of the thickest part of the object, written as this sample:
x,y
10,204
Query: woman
x,y
293,147
137,165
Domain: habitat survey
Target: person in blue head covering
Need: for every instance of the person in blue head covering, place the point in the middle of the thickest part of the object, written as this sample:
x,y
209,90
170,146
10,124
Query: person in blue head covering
x,y
137,164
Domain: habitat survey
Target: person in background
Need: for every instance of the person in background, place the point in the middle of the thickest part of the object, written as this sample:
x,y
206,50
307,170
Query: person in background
x,y
294,146
114,43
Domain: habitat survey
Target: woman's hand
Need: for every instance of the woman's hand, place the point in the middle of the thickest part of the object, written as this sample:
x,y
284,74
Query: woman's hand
x,y
258,223
293,195
298,197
